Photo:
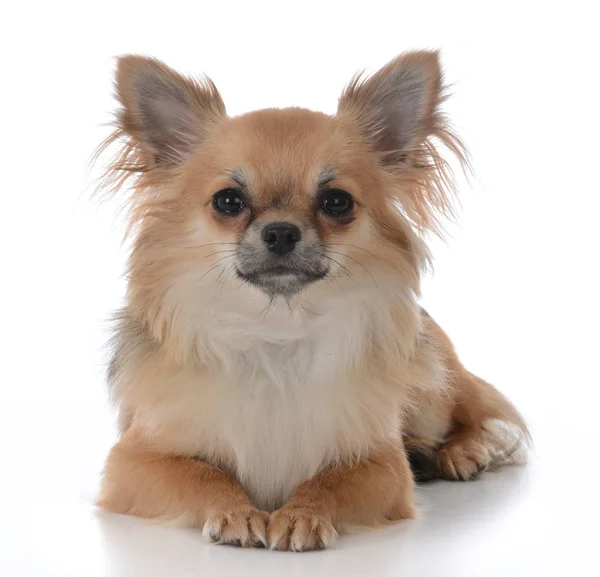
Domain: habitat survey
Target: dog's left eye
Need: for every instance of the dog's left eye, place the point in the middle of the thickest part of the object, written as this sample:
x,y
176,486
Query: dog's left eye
x,y
228,201
337,202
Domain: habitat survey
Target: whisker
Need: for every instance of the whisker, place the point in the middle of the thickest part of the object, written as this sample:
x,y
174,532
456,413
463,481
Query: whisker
x,y
220,252
266,310
358,263
338,276
241,282
226,270
353,246
215,266
289,304
346,269
196,247
231,268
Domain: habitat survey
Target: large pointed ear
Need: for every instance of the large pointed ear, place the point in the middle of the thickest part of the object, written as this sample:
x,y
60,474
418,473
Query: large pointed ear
x,y
165,114
396,109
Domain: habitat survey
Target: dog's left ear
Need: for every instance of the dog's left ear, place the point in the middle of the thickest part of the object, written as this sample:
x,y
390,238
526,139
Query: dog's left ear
x,y
396,108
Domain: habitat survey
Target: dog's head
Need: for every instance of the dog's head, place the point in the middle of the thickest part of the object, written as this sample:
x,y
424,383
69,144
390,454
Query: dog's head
x,y
282,201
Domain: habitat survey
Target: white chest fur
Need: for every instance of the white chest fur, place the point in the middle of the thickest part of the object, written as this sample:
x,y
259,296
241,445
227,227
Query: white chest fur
x,y
277,411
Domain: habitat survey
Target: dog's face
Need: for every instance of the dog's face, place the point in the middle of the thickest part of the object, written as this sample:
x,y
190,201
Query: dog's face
x,y
288,193
280,200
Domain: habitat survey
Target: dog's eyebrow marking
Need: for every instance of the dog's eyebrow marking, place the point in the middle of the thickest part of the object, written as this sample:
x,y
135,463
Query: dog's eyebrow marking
x,y
326,176
237,175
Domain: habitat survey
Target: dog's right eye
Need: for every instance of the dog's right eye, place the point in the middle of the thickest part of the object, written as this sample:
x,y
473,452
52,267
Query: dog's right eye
x,y
228,201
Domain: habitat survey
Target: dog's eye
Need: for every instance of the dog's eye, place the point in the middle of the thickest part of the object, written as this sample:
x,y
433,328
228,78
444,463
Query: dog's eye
x,y
228,201
337,202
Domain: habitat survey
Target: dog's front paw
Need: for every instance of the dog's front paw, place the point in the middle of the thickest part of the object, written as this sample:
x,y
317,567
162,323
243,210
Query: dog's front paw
x,y
463,461
300,529
244,526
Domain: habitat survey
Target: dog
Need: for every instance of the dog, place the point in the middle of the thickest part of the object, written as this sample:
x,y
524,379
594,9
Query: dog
x,y
277,380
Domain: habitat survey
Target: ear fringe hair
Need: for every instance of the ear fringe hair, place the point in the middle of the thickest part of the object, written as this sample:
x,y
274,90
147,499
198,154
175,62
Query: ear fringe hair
x,y
427,186
129,175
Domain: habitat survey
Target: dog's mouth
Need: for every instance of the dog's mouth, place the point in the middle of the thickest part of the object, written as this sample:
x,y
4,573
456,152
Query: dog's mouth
x,y
281,279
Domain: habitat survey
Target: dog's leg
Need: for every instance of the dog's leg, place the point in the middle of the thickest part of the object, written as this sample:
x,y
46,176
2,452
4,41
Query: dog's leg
x,y
477,427
488,431
373,491
485,432
141,481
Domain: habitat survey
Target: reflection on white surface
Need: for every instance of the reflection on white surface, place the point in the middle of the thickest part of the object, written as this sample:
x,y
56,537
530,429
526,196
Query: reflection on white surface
x,y
516,287
511,522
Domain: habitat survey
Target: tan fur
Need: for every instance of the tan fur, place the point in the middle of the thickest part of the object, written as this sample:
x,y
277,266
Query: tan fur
x,y
235,405
141,480
373,491
467,441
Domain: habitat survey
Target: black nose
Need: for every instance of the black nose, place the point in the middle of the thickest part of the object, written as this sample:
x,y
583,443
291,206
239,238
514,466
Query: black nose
x,y
281,237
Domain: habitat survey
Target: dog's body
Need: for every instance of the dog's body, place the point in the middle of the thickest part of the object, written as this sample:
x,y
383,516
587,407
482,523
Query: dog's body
x,y
272,365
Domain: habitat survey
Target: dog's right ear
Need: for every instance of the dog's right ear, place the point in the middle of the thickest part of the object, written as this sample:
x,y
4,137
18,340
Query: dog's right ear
x,y
164,113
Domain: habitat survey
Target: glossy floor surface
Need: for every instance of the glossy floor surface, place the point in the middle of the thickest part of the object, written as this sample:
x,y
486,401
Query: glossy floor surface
x,y
538,520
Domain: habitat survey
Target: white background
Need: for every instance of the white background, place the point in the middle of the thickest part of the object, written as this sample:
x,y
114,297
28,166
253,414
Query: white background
x,y
516,286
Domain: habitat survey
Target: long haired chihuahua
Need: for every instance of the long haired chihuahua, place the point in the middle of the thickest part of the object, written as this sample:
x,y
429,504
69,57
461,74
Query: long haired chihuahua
x,y
277,380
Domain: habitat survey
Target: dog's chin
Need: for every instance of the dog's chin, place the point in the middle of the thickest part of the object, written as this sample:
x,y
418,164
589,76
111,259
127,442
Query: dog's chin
x,y
281,281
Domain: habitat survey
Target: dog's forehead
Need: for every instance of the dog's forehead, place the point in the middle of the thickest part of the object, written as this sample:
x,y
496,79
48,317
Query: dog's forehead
x,y
279,147
284,126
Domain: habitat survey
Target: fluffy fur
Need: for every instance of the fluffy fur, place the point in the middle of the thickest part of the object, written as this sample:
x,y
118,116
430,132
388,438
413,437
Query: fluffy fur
x,y
271,419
